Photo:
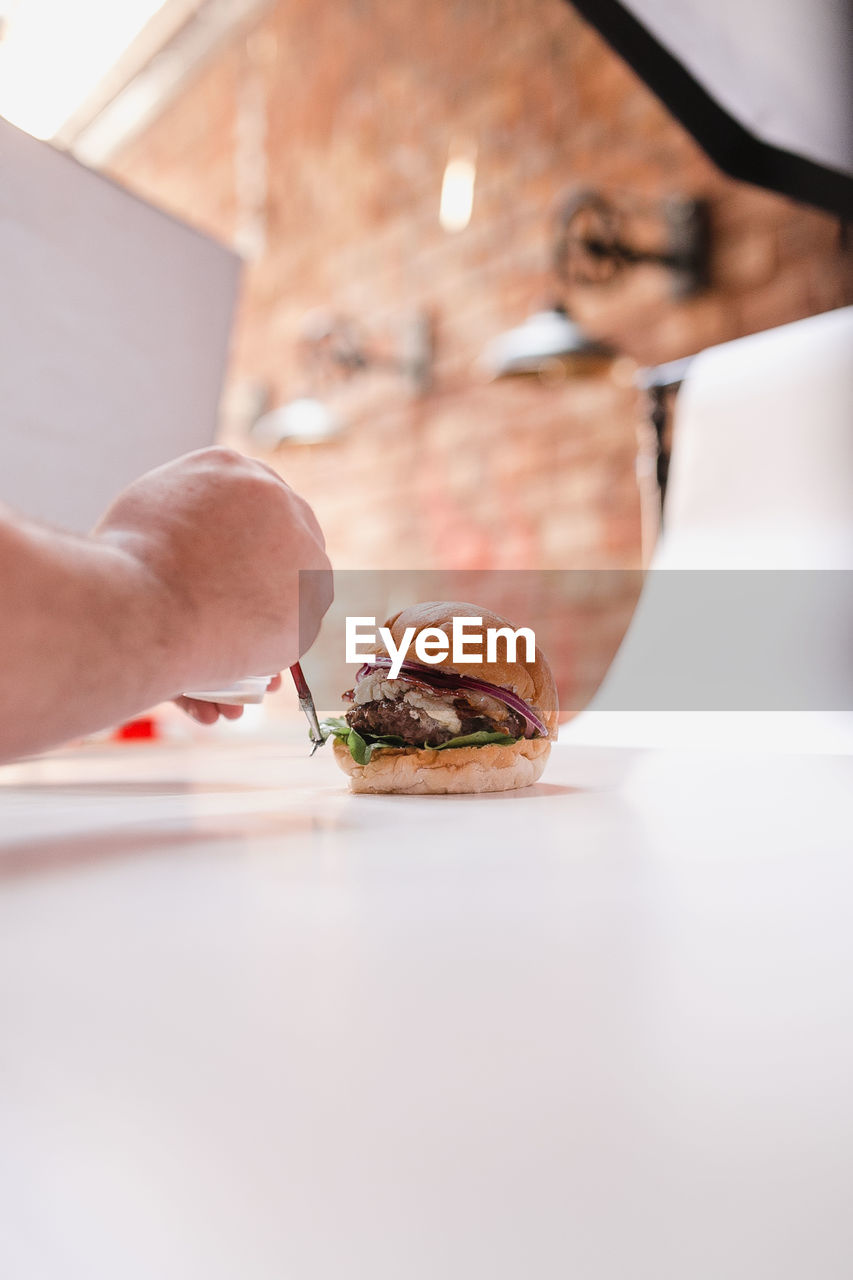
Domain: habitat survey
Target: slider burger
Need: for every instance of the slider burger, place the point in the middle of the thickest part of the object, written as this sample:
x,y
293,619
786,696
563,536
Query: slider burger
x,y
481,725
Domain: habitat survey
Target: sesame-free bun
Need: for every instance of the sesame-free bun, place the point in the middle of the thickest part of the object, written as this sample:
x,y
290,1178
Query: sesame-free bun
x,y
422,771
531,681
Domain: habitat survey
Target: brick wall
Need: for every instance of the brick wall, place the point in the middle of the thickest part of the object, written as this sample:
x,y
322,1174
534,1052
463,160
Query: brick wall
x,y
325,129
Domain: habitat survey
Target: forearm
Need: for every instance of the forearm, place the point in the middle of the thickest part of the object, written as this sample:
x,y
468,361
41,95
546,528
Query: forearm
x,y
86,638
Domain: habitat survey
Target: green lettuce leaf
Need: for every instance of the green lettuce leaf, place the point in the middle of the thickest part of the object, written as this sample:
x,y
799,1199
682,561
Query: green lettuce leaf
x,y
362,746
335,726
478,739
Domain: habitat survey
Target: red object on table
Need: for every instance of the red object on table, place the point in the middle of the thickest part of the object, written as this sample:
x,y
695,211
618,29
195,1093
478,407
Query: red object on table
x,y
142,727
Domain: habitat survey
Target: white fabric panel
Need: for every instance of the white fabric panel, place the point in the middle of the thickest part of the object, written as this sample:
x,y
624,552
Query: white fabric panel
x,y
780,67
762,460
761,479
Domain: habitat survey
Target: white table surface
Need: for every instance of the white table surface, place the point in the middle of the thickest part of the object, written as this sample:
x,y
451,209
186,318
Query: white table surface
x,y
254,1027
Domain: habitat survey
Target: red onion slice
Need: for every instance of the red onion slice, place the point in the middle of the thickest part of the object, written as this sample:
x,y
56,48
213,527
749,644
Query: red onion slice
x,y
448,681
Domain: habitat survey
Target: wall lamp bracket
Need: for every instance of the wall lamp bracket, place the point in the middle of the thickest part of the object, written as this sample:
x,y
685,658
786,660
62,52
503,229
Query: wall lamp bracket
x,y
334,345
593,247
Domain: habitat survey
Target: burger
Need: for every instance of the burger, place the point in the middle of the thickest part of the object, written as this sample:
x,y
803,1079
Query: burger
x,y
478,725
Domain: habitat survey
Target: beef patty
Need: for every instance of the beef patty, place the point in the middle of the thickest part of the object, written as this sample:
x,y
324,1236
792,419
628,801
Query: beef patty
x,y
400,720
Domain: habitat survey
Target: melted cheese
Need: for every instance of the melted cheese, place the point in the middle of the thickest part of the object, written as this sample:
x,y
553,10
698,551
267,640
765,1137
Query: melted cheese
x,y
443,713
374,687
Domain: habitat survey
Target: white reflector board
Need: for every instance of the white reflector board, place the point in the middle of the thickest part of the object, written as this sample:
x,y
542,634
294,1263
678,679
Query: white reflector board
x,y
114,326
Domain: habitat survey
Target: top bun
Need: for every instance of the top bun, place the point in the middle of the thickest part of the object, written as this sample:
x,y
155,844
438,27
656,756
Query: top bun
x,y
531,681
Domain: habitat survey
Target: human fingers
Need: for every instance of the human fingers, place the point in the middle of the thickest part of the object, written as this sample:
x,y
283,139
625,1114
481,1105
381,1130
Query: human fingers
x,y
229,710
196,709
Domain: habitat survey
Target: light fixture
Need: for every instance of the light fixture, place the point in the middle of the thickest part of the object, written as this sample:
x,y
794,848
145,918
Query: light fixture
x,y
304,420
550,346
593,245
457,190
332,349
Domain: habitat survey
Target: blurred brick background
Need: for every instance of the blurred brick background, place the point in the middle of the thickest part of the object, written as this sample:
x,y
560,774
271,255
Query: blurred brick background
x,y
316,140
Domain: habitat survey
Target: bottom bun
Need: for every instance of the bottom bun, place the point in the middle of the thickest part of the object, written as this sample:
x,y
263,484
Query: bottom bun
x,y
416,771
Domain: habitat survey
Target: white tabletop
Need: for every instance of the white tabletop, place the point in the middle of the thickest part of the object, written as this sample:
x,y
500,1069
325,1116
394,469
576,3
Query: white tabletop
x,y
255,1027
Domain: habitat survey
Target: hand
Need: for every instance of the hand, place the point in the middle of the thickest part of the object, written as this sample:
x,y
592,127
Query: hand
x,y
209,712
222,539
